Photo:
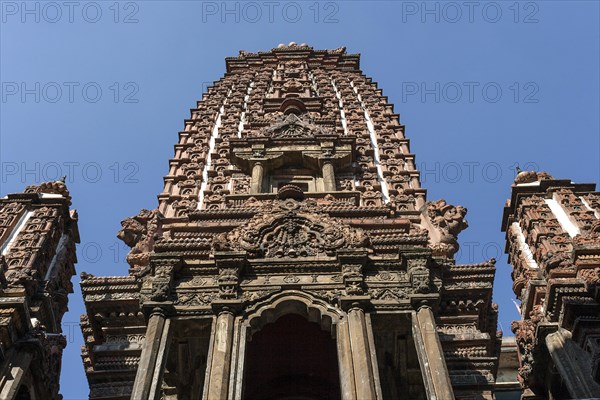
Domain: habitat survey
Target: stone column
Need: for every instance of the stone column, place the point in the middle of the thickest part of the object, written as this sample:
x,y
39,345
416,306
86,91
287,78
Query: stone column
x,y
220,364
361,354
344,353
573,365
257,178
152,361
433,364
328,176
13,371
238,357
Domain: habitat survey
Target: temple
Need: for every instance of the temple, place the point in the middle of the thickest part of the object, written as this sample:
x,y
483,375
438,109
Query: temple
x,y
553,241
38,233
293,255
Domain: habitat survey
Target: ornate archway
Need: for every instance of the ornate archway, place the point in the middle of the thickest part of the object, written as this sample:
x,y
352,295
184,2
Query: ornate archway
x,y
292,359
272,338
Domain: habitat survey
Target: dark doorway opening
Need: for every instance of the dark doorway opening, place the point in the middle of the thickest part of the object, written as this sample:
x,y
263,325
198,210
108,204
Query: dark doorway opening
x,y
291,359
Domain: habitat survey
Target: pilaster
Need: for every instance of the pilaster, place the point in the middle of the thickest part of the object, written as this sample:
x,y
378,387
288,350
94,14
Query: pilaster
x,y
433,363
153,358
360,348
219,369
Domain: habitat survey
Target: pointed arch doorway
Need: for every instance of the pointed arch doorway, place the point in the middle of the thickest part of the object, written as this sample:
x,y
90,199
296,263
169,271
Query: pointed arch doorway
x,y
291,359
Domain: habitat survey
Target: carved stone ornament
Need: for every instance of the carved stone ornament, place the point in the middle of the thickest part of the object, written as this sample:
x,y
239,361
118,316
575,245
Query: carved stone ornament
x,y
291,127
228,281
530,176
450,220
291,229
139,233
24,276
589,236
162,281
353,279
525,333
56,187
419,275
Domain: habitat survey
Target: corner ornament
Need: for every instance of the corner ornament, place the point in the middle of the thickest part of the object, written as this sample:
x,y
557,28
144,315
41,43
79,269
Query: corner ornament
x,y
140,233
450,221
291,229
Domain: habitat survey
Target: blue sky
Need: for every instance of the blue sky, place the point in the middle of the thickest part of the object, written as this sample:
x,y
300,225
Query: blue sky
x,y
99,90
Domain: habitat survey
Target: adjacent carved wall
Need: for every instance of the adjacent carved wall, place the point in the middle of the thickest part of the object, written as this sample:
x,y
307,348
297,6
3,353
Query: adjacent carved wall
x,y
553,241
38,233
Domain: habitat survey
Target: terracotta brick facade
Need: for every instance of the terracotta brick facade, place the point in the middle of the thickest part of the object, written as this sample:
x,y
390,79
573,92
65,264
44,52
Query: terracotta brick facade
x,y
38,233
553,241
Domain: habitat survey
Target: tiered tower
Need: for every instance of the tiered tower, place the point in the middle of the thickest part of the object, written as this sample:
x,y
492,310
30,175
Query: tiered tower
x,y
553,241
38,233
293,254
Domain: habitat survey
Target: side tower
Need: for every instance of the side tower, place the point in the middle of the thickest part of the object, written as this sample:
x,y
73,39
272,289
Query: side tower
x,y
553,241
293,254
38,233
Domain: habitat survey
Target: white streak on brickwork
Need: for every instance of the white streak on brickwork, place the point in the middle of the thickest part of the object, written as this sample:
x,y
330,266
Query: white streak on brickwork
x,y
61,249
517,306
523,246
587,205
244,108
384,189
341,106
18,228
211,147
314,85
536,183
270,88
562,217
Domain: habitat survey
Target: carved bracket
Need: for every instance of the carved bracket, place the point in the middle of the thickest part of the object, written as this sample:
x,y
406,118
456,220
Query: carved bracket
x,y
419,273
161,279
230,265
352,264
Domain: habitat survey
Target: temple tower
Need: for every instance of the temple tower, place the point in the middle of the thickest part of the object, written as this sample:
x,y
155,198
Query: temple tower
x,y
293,255
553,241
38,233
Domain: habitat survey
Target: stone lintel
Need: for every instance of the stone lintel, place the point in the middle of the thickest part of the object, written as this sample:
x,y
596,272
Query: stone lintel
x,y
163,260
353,256
231,259
415,253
